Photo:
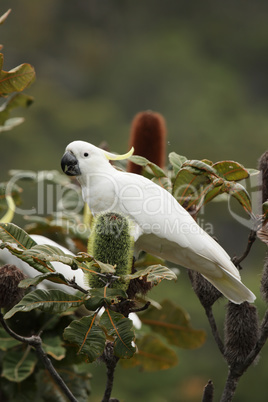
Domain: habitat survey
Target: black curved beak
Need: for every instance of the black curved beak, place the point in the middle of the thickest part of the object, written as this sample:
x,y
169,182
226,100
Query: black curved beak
x,y
69,164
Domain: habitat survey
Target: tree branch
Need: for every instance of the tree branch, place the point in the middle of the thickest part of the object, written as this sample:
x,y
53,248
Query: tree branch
x,y
251,238
111,365
214,329
36,342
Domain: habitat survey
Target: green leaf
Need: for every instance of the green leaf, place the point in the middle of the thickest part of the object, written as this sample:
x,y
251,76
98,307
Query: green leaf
x,y
237,191
188,187
51,301
121,329
104,296
176,161
154,274
18,364
265,210
230,170
141,161
16,240
15,80
52,345
6,341
17,100
51,276
14,234
89,338
147,260
152,355
174,324
199,167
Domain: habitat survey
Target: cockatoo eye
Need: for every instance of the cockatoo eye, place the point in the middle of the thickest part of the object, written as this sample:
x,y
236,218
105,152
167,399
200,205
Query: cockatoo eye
x,y
85,154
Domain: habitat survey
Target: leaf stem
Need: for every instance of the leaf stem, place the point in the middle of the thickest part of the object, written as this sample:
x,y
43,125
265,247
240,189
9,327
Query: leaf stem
x,y
214,329
110,365
251,239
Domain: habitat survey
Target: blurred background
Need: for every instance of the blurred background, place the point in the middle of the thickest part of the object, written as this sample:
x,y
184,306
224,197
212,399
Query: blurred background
x,y
203,65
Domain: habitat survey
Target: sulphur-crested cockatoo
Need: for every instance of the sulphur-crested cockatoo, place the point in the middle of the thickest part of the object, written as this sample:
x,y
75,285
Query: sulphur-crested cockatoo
x,y
162,226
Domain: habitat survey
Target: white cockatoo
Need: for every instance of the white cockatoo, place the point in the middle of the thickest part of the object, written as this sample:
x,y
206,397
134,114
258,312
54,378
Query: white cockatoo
x,y
162,227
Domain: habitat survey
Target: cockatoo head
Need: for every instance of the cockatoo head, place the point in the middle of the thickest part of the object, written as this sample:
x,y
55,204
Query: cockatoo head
x,y
81,157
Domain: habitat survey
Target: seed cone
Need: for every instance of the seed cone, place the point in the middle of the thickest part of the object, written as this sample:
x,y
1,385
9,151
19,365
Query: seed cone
x,y
205,291
241,332
10,293
148,137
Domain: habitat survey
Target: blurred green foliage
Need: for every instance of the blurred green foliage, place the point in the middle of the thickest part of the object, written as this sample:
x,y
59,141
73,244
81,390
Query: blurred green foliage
x,y
203,65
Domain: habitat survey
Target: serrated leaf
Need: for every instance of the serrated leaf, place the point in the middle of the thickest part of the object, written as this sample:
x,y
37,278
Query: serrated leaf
x,y
230,170
174,324
176,161
103,297
121,329
18,364
187,186
51,276
163,182
237,191
152,355
15,80
16,240
6,341
199,167
88,337
11,233
51,301
154,274
141,161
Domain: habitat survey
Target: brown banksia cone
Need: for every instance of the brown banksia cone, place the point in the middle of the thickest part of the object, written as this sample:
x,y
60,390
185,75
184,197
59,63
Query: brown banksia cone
x,y
264,279
205,291
263,167
148,137
241,332
10,293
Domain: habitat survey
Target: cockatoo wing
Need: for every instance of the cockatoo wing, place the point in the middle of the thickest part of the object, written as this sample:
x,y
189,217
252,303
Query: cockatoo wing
x,y
167,230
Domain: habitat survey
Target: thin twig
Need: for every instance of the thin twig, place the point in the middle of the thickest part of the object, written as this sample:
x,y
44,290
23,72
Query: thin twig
x,y
214,329
251,238
36,342
137,310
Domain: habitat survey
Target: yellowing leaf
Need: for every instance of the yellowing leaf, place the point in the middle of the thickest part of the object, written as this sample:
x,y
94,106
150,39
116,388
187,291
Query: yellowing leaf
x,y
174,324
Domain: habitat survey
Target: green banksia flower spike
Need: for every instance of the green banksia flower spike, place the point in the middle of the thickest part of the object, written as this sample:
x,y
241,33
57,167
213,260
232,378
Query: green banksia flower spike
x,y
10,293
148,137
111,242
241,332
